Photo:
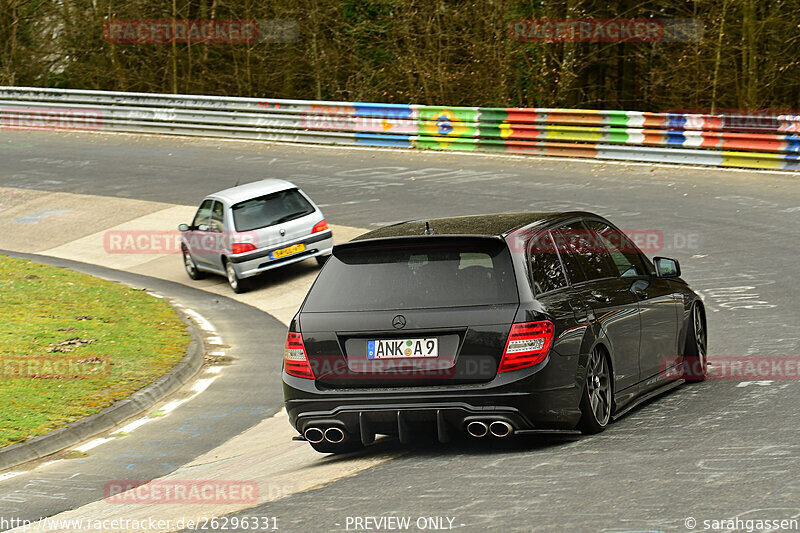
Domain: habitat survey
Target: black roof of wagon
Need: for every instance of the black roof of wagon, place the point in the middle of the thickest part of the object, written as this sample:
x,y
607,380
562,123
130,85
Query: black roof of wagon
x,y
497,224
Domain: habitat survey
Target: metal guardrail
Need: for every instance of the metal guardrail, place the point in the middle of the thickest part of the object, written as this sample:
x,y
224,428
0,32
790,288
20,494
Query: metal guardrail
x,y
750,141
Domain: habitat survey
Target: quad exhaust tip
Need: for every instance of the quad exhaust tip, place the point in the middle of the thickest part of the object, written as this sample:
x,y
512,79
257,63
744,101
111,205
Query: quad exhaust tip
x,y
500,428
334,435
496,428
477,429
314,435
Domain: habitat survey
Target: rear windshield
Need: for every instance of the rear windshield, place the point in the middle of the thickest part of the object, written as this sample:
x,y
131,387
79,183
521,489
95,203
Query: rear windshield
x,y
270,210
441,274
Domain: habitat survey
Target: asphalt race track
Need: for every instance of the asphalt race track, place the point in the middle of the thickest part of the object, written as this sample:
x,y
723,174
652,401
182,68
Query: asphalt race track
x,y
712,451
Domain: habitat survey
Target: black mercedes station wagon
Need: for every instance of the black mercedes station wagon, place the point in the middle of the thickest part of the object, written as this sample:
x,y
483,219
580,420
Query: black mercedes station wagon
x,y
488,326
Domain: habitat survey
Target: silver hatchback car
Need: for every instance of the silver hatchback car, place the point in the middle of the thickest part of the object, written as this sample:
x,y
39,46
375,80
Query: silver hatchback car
x,y
246,230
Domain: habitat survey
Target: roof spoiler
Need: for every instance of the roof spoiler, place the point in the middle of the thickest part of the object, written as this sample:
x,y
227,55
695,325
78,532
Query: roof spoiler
x,y
410,240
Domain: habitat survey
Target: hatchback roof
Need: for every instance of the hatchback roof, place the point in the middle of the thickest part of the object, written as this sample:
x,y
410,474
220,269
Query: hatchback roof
x,y
255,189
497,224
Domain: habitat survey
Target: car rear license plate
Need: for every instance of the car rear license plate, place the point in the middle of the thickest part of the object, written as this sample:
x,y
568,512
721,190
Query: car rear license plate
x,y
402,348
285,252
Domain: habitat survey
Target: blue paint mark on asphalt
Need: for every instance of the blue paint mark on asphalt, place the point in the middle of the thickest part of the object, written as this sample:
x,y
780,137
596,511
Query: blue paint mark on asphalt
x,y
40,215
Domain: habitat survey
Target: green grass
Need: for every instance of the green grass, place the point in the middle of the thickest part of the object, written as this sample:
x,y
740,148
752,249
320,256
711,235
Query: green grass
x,y
139,336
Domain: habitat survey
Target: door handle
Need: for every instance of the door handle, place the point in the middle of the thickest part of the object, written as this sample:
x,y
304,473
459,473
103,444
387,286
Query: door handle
x,y
600,297
641,293
639,288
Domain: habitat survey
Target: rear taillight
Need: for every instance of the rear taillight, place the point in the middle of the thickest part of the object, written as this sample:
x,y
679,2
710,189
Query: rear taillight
x,y
295,360
322,225
527,345
242,247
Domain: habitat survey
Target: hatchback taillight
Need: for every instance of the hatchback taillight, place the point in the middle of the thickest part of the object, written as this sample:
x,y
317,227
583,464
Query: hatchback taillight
x,y
242,247
322,225
527,345
295,360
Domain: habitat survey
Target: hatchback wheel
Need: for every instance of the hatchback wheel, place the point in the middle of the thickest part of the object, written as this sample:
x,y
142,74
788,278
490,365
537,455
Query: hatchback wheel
x,y
695,358
596,400
191,267
237,284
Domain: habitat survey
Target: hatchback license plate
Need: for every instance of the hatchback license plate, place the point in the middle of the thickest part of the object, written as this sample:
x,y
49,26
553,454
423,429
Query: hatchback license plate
x,y
402,348
290,250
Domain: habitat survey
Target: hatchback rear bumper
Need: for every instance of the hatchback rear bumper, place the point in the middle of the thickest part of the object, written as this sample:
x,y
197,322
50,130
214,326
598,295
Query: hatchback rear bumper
x,y
259,260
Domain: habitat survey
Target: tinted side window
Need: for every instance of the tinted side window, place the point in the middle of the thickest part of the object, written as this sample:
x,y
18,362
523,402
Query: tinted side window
x,y
203,213
574,272
590,254
217,217
623,253
545,266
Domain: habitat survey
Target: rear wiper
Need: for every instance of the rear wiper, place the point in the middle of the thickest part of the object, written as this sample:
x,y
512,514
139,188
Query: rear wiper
x,y
286,217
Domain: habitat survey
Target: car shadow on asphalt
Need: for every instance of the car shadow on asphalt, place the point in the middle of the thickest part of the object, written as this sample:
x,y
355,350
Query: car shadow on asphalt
x,y
285,274
424,448
427,446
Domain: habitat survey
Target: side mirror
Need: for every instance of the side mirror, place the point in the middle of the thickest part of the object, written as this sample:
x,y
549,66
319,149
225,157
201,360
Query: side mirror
x,y
666,267
203,227
183,227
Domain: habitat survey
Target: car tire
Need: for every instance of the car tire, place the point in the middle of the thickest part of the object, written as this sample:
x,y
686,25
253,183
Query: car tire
x,y
695,354
347,446
598,394
237,284
191,267
321,259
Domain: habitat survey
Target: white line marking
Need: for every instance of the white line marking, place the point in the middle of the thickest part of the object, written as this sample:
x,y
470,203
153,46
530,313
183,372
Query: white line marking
x,y
9,475
171,406
215,369
764,383
133,425
202,384
351,202
91,444
198,387
215,340
200,319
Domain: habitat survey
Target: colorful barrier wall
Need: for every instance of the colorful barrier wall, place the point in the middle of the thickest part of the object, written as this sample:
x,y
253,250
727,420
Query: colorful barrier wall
x,y
748,141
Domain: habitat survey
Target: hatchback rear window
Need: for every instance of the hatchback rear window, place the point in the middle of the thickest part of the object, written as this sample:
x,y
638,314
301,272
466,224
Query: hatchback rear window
x,y
270,210
418,276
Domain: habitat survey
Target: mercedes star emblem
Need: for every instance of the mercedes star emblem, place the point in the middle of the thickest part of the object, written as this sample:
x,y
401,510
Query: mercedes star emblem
x,y
399,322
